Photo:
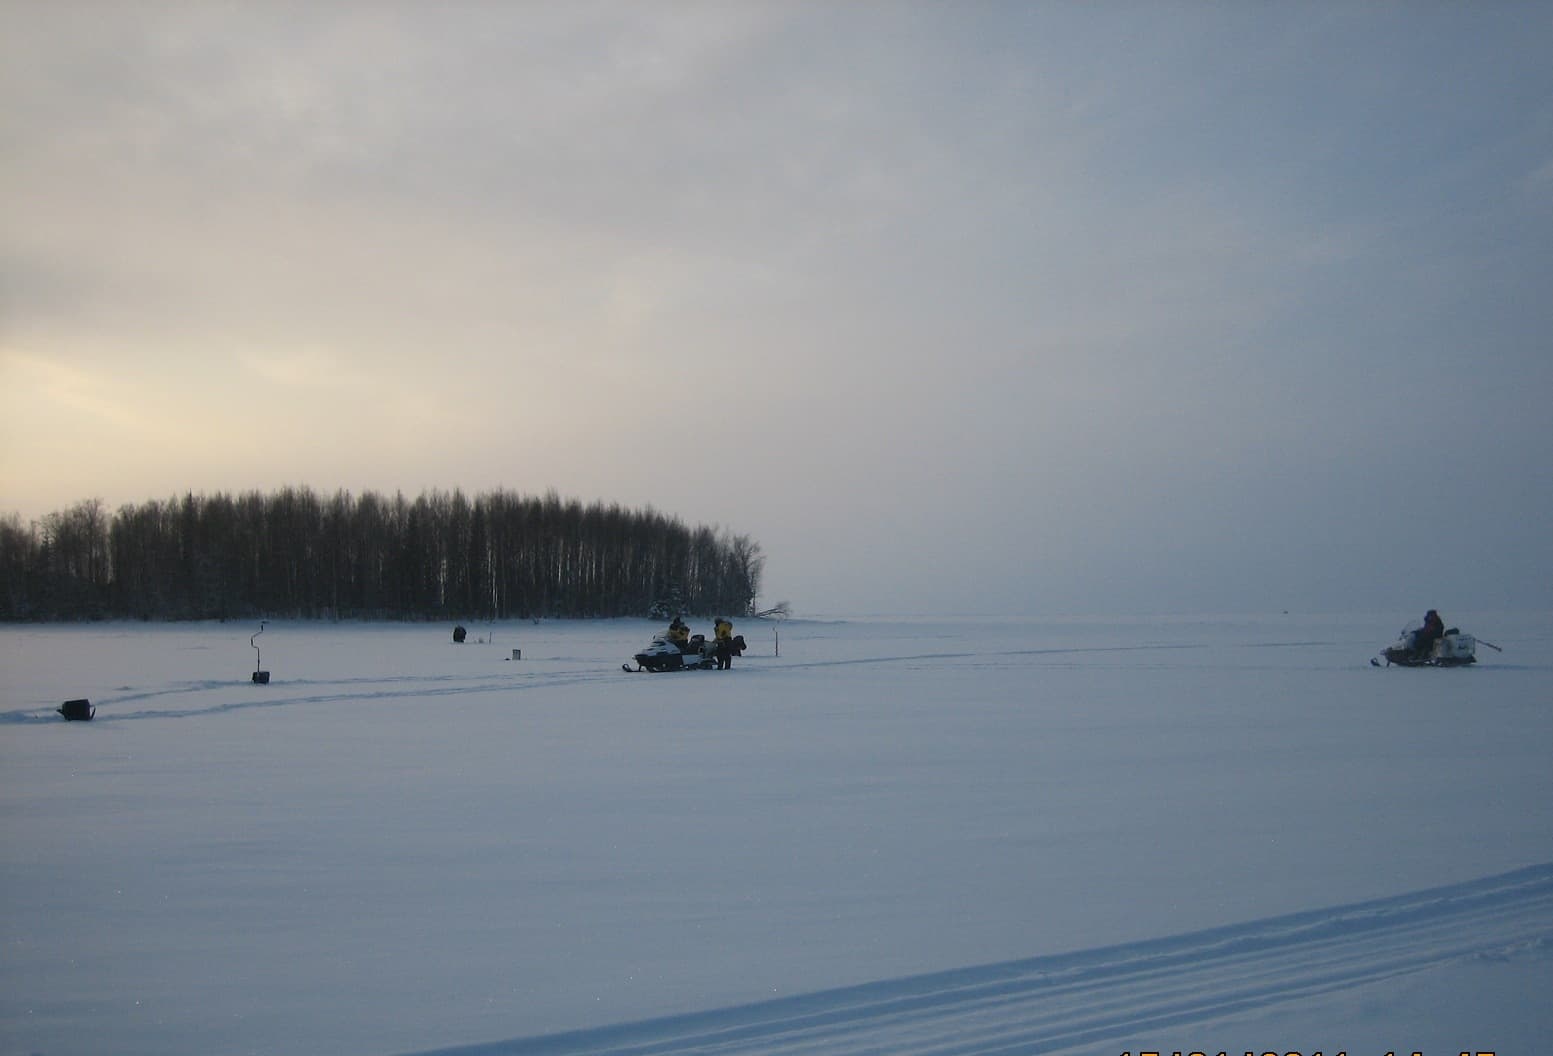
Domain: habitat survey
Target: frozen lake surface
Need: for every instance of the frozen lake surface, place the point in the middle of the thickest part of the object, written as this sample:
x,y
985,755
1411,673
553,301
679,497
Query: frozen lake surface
x,y
900,836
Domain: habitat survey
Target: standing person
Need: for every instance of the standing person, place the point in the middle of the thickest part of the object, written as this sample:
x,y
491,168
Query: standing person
x,y
722,632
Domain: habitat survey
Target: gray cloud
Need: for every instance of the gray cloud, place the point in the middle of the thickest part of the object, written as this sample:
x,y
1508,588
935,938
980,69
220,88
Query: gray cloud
x,y
991,306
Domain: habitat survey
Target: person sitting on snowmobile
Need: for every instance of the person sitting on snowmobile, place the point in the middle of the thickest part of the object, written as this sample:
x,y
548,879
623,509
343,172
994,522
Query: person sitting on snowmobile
x,y
722,631
1425,637
679,634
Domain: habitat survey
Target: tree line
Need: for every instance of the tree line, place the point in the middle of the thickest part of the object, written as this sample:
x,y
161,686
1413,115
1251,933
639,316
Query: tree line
x,y
444,555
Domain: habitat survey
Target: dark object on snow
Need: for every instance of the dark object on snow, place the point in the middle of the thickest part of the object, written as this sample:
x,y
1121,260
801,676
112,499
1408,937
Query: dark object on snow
x,y
459,634
77,710
261,677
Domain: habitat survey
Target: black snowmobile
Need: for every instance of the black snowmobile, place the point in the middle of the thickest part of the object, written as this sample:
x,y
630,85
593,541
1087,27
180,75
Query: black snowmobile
x,y
1451,649
664,655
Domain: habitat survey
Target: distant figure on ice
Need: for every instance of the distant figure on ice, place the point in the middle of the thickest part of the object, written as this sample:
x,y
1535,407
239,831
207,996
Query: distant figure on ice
x,y
679,634
1432,631
722,631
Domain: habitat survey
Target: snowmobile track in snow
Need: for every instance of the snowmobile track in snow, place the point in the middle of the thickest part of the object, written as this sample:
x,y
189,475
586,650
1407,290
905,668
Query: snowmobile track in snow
x,y
1112,997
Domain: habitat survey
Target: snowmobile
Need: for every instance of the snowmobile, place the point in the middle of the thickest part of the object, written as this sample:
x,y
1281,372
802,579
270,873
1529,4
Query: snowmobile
x,y
664,655
1452,649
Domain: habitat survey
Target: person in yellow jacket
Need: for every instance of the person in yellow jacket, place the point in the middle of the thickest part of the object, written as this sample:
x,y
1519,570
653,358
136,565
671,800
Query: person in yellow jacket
x,y
679,634
722,632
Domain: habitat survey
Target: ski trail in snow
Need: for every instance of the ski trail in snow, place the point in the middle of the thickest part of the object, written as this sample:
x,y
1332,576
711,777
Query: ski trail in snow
x,y
302,692
291,692
1057,651
1113,997
288,692
397,689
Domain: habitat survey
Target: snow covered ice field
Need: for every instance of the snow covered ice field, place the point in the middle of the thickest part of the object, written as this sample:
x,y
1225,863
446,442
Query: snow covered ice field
x,y
925,836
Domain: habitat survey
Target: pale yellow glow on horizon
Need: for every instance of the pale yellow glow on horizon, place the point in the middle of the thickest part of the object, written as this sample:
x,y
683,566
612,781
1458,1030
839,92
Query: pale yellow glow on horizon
x,y
131,422
102,419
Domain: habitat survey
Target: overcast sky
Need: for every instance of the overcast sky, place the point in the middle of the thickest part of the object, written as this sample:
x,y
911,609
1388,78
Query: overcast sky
x,y
987,307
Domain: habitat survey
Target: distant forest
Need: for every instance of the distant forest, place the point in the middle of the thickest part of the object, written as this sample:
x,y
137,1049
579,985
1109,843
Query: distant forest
x,y
441,556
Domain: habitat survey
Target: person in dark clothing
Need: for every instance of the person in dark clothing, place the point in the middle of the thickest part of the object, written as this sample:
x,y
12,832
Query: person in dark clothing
x,y
1425,637
723,634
